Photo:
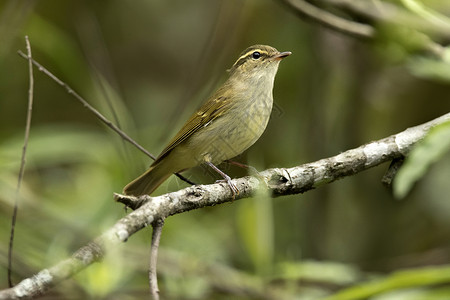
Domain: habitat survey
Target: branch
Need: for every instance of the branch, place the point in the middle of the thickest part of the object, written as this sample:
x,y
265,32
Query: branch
x,y
355,29
376,12
102,118
152,275
280,181
22,162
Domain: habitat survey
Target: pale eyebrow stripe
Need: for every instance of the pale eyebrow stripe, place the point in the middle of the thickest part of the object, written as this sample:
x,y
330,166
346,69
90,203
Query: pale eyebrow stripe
x,y
244,56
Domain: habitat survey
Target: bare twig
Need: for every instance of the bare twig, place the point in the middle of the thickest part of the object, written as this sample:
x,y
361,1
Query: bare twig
x,y
280,181
392,12
390,174
23,160
332,21
387,12
95,112
152,272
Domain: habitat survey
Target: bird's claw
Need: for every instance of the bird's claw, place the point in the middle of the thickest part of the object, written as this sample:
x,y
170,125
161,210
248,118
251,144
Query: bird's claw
x,y
233,187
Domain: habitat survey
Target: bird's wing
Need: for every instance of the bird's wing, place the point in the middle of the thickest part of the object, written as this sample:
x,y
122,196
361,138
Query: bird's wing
x,y
210,110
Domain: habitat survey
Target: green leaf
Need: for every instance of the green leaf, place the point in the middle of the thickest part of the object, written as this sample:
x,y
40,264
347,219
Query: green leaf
x,y
255,227
319,271
432,16
412,278
429,68
425,153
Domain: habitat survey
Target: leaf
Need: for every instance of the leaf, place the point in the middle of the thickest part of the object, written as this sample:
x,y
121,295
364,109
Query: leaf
x,y
429,68
427,13
435,144
411,278
256,230
319,271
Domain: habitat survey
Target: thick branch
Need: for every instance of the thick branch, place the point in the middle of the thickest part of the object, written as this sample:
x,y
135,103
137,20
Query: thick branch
x,y
280,181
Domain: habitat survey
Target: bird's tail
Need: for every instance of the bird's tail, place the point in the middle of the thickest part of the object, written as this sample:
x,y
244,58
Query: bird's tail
x,y
147,182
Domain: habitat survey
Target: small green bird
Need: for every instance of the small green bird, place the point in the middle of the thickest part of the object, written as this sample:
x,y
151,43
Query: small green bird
x,y
226,125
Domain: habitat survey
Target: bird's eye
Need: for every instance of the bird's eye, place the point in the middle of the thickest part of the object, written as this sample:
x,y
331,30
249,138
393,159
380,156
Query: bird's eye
x,y
256,55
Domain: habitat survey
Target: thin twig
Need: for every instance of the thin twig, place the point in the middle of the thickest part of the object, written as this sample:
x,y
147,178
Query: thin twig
x,y
23,160
152,273
389,175
332,21
387,13
96,112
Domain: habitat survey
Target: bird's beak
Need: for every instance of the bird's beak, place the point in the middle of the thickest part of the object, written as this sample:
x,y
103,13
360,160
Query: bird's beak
x,y
281,55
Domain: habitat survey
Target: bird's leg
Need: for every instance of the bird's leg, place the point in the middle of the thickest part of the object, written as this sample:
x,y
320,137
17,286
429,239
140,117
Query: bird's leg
x,y
244,166
248,167
226,178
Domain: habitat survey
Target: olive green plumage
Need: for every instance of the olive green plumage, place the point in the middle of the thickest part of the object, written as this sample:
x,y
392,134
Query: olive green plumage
x,y
226,125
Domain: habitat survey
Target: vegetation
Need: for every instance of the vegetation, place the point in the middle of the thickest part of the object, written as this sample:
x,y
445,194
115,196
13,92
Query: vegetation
x,y
147,66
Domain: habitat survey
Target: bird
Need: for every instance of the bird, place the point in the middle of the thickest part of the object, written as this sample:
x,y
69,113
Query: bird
x,y
231,120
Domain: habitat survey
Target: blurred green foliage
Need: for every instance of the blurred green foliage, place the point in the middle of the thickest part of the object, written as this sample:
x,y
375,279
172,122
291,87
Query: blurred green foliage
x,y
147,66
428,151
